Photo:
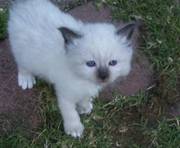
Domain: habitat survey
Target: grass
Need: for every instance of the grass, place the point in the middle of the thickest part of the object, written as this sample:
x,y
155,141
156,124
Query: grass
x,y
3,23
139,121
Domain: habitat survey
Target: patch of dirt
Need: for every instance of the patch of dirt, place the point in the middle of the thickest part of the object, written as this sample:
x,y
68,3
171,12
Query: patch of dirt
x,y
69,4
18,108
4,3
89,13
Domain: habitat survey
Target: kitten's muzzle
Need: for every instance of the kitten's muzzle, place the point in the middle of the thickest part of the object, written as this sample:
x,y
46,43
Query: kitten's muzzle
x,y
103,74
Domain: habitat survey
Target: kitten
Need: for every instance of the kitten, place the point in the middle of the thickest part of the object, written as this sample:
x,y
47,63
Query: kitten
x,y
77,58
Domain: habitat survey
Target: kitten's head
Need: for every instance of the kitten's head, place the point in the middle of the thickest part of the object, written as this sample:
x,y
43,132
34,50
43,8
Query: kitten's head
x,y
99,52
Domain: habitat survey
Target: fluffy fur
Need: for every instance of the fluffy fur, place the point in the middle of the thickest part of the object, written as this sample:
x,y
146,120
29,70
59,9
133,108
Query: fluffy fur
x,y
42,49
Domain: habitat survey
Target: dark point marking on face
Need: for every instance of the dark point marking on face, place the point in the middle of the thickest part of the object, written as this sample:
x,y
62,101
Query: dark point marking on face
x,y
103,73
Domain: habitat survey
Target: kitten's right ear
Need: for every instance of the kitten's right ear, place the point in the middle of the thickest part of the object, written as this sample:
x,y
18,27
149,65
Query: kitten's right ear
x,y
69,35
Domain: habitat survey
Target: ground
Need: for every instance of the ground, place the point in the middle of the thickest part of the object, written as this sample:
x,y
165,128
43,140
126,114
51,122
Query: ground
x,y
147,119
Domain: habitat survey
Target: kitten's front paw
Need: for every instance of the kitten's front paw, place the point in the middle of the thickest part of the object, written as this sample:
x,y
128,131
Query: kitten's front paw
x,y
26,80
74,129
85,108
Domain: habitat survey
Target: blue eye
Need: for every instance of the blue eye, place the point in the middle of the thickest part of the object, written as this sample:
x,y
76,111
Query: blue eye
x,y
113,62
91,63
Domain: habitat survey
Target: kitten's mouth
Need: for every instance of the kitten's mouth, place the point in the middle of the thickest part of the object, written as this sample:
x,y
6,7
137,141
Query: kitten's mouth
x,y
103,82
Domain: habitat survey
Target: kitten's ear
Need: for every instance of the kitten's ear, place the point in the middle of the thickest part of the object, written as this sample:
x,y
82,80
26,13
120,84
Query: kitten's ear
x,y
69,35
128,30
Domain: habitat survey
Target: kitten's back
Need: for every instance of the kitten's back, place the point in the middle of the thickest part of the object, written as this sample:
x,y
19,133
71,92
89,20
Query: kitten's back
x,y
36,41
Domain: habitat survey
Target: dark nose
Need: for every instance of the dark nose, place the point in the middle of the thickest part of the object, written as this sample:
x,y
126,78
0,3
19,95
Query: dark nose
x,y
103,73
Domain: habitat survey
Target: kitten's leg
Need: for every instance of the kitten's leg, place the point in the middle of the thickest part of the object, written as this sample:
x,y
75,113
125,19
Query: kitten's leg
x,y
85,106
72,123
25,79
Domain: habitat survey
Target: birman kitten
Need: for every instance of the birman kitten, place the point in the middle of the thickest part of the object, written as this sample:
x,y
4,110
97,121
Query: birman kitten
x,y
77,58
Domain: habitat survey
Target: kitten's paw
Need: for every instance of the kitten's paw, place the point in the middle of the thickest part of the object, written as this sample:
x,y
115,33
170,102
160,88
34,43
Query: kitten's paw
x,y
74,129
85,108
26,80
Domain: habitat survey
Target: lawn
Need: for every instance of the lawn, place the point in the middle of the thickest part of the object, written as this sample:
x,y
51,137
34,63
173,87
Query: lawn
x,y
140,121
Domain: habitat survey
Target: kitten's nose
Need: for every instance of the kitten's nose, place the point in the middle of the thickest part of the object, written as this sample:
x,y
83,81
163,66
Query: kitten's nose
x,y
103,73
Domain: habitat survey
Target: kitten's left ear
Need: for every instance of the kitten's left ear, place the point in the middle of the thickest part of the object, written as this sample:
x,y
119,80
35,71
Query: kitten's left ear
x,y
128,30
69,35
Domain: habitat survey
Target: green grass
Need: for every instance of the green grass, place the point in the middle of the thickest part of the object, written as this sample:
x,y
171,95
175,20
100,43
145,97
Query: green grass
x,y
139,121
3,23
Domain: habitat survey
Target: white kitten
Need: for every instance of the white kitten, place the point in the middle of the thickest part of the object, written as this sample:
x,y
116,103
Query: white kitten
x,y
79,59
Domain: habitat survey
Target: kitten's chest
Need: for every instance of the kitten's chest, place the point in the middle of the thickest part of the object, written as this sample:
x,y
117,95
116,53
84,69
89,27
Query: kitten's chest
x,y
87,90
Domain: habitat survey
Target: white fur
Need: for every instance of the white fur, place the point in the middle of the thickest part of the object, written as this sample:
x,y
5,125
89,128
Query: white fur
x,y
38,48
